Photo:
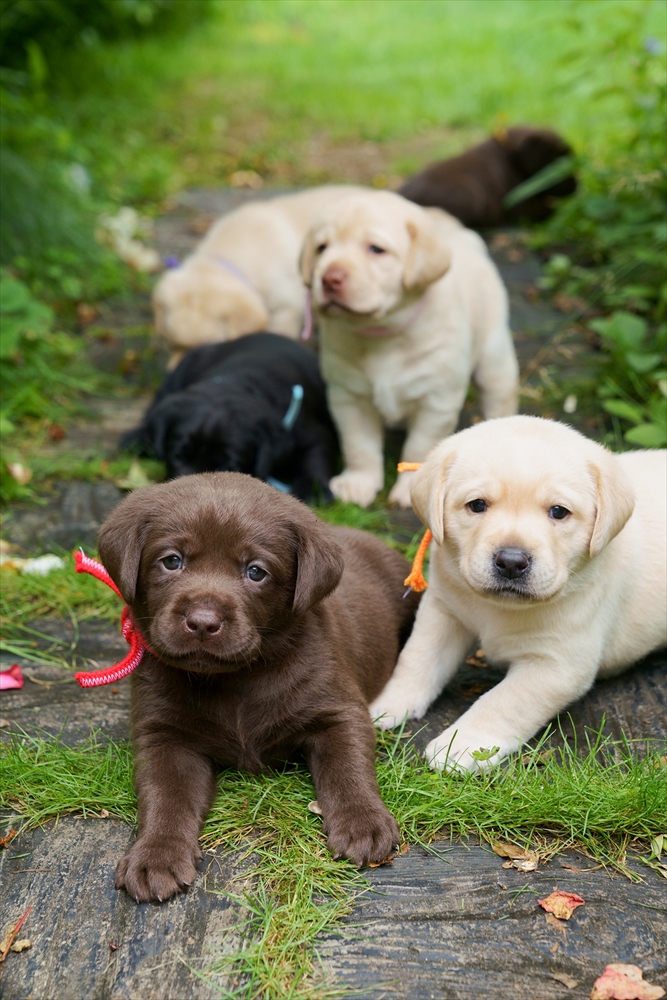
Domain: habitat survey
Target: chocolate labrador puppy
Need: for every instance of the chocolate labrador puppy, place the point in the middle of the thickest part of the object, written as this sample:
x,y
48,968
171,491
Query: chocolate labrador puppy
x,y
269,634
472,186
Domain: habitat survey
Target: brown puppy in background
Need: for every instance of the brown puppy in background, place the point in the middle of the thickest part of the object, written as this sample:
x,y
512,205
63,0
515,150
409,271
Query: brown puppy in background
x,y
269,634
472,186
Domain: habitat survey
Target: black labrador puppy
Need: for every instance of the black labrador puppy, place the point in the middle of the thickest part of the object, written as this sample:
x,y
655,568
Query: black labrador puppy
x,y
255,405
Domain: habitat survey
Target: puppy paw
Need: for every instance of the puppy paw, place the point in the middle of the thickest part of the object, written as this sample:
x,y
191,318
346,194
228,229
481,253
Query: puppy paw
x,y
395,704
400,491
157,868
366,834
458,749
355,487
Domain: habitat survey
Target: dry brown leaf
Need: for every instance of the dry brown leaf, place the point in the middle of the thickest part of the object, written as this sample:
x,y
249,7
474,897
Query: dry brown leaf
x,y
525,861
314,807
389,860
104,813
4,841
562,977
521,865
624,982
562,904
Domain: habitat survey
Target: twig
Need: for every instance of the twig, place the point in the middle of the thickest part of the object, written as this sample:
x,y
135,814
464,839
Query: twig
x,y
17,927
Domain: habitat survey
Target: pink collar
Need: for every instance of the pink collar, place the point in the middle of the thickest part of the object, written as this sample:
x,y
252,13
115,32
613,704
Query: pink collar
x,y
387,330
138,646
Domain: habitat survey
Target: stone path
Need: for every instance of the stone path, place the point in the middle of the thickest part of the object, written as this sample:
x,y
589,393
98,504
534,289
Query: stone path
x,y
452,924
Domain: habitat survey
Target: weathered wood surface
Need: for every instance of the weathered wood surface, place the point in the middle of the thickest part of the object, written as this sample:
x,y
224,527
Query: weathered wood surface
x,y
454,926
90,942
461,927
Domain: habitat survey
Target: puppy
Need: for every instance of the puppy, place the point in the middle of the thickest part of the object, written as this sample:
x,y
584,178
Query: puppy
x,y
549,549
269,633
243,277
472,186
410,307
254,405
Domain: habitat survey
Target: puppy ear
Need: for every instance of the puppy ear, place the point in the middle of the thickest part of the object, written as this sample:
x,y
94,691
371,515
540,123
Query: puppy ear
x,y
428,258
429,487
615,502
307,259
320,566
121,540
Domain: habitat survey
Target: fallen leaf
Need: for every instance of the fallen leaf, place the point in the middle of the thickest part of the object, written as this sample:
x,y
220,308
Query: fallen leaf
x,y
56,432
405,848
135,478
520,865
85,313
5,723
562,904
520,858
389,860
475,689
572,868
624,982
21,945
314,807
8,837
562,977
104,813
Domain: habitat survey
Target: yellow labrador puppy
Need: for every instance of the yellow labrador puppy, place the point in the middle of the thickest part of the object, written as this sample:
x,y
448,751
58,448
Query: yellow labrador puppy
x,y
244,275
410,307
551,550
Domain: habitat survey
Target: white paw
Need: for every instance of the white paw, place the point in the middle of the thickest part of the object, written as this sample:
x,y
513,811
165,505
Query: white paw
x,y
394,706
400,491
355,487
458,749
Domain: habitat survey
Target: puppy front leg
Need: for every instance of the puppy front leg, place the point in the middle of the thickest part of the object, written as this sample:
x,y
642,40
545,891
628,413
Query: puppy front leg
x,y
360,428
175,787
429,659
426,428
341,758
508,715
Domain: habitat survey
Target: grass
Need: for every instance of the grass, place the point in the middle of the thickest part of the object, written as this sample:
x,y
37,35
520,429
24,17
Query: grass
x,y
605,798
64,595
260,85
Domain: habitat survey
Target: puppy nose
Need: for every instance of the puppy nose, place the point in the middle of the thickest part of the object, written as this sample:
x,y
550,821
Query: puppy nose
x,y
511,563
203,621
334,278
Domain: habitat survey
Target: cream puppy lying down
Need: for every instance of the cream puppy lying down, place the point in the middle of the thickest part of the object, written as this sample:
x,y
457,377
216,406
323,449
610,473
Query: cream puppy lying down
x,y
551,551
244,275
410,307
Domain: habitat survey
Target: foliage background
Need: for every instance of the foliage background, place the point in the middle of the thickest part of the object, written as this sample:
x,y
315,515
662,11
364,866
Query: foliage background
x,y
123,102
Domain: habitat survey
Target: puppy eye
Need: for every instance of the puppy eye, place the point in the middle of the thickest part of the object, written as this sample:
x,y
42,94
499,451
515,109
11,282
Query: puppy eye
x,y
375,249
172,561
321,248
256,573
558,512
477,506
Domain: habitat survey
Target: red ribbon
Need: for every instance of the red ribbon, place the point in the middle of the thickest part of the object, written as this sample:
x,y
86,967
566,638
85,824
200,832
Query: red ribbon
x,y
95,678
